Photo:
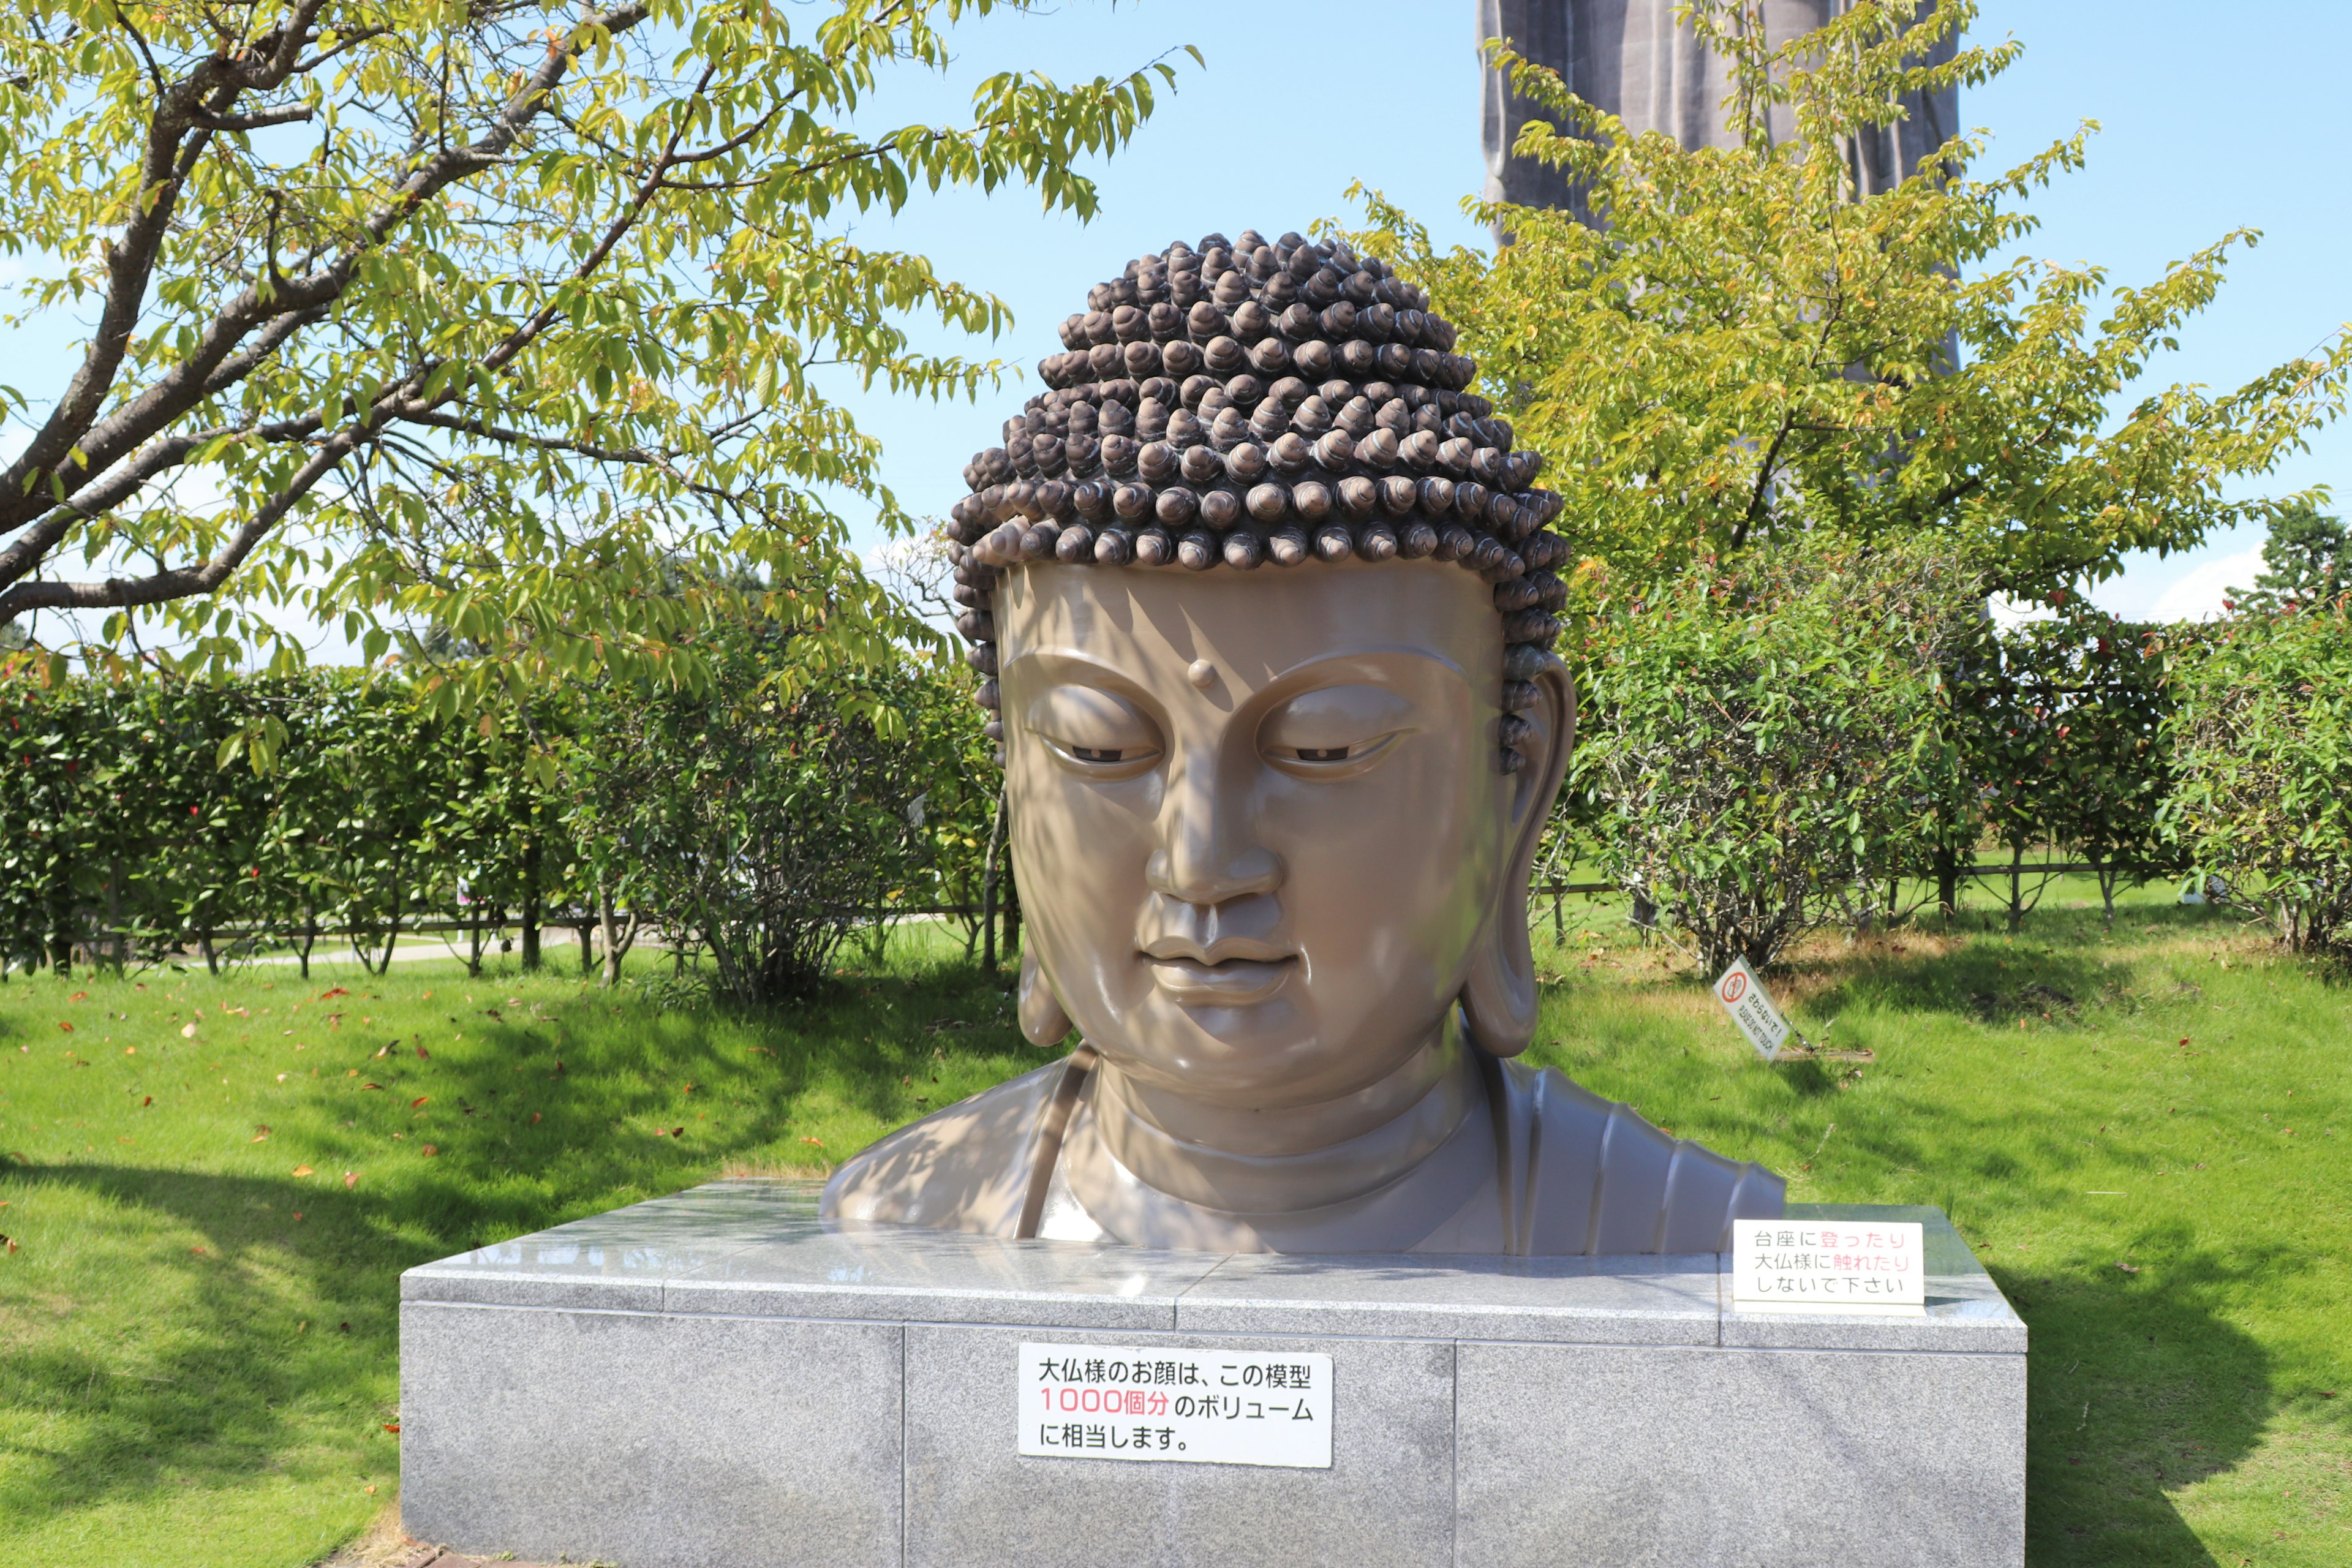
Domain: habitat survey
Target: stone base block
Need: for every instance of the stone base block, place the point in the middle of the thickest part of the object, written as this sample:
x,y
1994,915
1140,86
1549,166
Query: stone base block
x,y
718,1380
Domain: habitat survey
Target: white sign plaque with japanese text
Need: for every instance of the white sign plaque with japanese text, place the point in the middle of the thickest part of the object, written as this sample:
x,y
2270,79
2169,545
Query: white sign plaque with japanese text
x,y
1189,1407
1750,1006
1836,1266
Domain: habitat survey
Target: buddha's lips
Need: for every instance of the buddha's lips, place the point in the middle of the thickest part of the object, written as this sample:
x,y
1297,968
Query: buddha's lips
x,y
1229,982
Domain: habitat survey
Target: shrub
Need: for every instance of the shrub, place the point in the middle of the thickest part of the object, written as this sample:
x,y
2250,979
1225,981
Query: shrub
x,y
2262,741
1767,738
2064,721
770,817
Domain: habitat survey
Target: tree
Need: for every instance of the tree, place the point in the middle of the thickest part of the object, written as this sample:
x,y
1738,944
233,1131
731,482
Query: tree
x,y
480,318
1742,346
1769,737
2308,561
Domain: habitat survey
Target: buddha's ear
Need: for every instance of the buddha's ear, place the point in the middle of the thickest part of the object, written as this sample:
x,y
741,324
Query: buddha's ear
x,y
1500,993
1042,1018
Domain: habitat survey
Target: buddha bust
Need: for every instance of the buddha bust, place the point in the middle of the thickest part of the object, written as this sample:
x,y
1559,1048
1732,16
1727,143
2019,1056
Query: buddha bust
x,y
1281,729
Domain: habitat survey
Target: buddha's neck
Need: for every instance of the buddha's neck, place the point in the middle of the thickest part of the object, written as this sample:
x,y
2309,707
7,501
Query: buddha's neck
x,y
1295,1158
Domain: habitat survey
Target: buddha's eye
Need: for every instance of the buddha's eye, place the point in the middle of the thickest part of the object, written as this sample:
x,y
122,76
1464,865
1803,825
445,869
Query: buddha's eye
x,y
1334,732
1096,734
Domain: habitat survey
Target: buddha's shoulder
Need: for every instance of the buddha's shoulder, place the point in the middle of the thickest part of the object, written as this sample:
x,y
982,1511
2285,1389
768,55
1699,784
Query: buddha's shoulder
x,y
1600,1178
964,1167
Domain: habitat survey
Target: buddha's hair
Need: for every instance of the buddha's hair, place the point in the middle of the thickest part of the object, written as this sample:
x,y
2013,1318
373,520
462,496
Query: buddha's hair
x,y
1248,403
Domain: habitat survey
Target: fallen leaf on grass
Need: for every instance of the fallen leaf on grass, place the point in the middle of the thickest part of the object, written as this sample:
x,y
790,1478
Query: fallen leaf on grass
x,y
304,1171
298,1217
11,1241
371,1086
338,991
351,1178
66,1027
146,1103
420,1099
423,1055
763,1050
259,1133
430,1150
78,996
187,1031
197,1250
534,1118
389,1426
818,1142
2128,1268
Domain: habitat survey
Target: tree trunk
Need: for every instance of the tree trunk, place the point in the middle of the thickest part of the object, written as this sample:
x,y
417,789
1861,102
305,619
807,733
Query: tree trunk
x,y
988,892
1012,912
117,938
618,938
531,904
1948,885
2016,893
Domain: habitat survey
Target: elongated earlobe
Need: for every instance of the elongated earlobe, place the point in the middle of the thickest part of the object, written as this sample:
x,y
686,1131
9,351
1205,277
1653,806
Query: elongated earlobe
x,y
1042,1018
1500,993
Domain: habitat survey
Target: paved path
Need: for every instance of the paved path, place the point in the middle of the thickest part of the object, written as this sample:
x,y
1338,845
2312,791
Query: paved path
x,y
420,1557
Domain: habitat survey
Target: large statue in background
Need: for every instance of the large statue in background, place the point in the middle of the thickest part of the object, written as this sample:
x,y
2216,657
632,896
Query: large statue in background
x,y
1265,596
1632,58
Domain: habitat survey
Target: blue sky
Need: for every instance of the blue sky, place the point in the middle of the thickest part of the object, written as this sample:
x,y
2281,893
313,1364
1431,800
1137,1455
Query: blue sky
x,y
2213,119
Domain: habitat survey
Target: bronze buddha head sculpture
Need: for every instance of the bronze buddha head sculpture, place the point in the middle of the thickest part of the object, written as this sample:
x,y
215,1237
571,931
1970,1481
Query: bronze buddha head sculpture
x,y
1263,599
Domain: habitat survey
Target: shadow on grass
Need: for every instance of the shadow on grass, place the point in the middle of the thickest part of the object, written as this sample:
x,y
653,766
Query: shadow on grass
x,y
2134,1389
266,1349
246,1358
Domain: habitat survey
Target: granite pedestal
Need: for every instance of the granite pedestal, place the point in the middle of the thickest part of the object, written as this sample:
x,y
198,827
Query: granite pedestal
x,y
716,1380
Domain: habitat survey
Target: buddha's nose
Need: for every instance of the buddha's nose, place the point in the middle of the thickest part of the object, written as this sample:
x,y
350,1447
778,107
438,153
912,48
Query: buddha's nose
x,y
1209,853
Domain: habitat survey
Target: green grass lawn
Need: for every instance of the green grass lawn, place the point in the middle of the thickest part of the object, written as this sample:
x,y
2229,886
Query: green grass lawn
x,y
2143,1135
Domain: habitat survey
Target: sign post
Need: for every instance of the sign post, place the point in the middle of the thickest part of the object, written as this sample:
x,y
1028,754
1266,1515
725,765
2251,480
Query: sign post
x,y
1750,1006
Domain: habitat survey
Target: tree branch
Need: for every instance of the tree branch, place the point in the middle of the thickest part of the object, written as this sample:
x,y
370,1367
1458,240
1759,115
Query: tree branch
x,y
198,374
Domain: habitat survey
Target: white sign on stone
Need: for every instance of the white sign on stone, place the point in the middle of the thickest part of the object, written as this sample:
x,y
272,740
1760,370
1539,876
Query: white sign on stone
x,y
1186,1406
1834,1266
1750,1006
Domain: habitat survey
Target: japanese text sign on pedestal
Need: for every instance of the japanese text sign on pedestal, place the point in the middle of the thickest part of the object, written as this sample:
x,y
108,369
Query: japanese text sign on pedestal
x,y
1191,1406
1840,1265
1750,1006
